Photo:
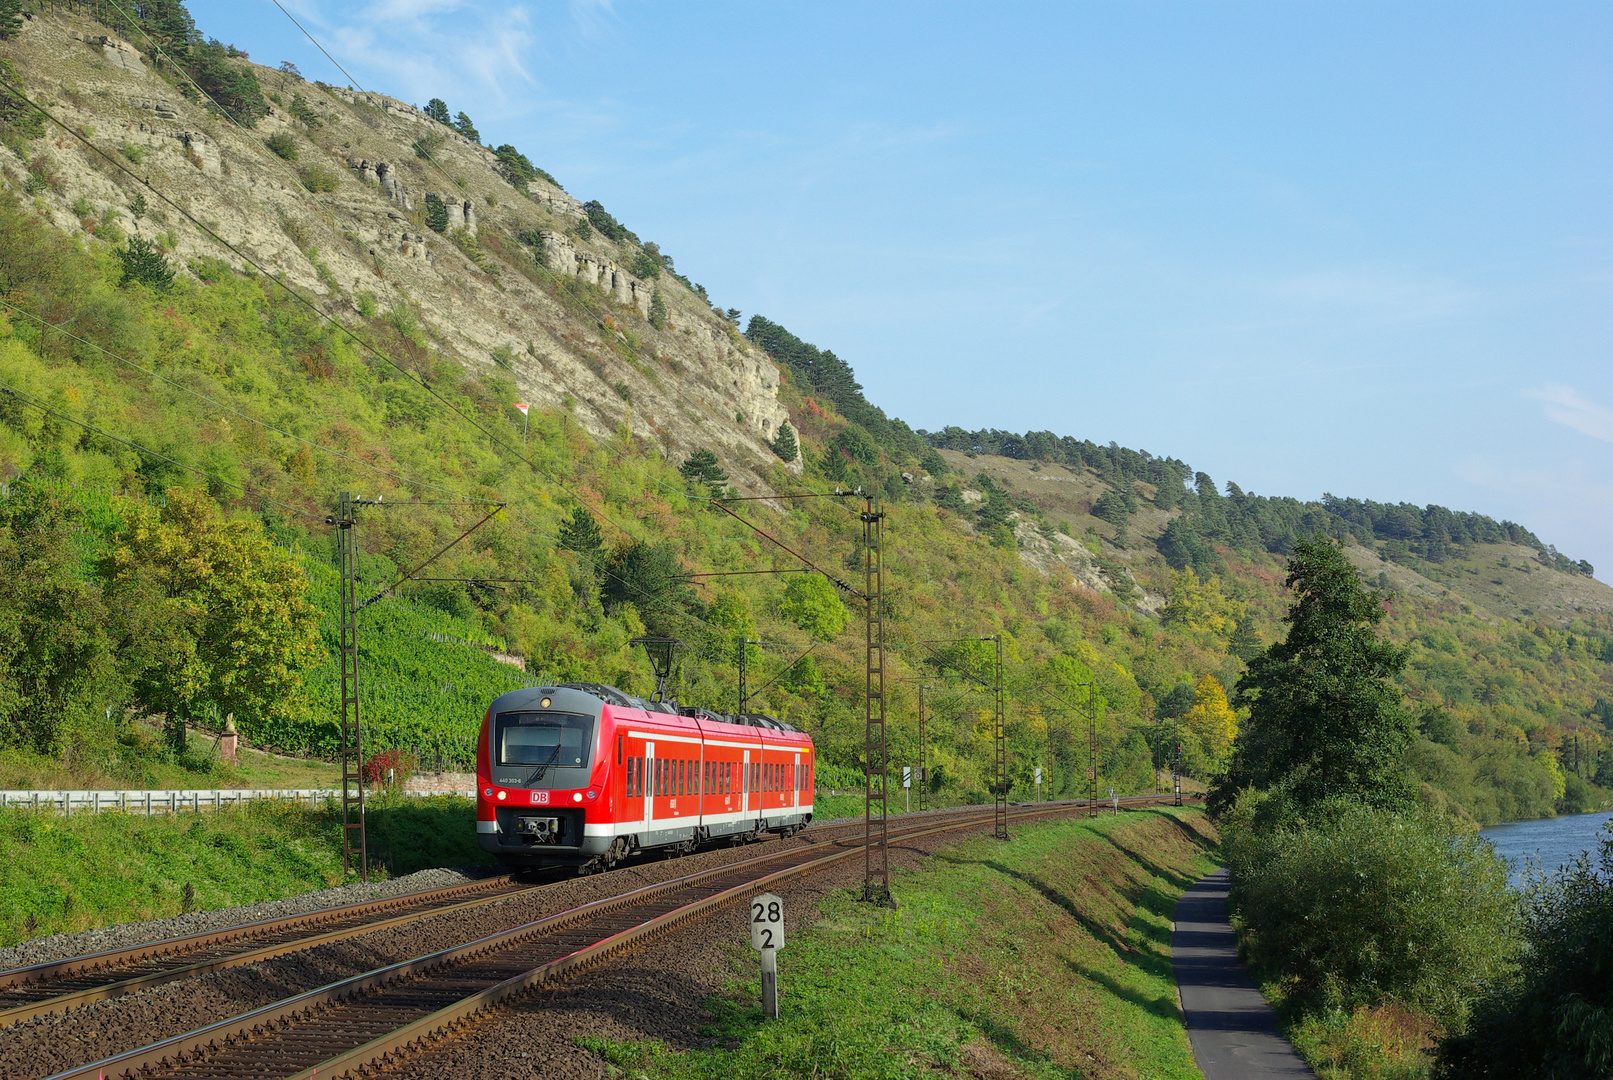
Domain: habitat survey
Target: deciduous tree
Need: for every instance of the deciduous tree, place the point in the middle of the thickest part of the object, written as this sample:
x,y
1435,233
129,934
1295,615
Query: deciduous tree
x,y
218,615
1325,717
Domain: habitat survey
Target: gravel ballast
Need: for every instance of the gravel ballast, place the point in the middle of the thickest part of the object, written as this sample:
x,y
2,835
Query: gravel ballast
x,y
52,1043
65,946
656,992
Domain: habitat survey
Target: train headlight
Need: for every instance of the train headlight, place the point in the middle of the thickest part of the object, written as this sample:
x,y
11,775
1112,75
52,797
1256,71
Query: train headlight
x,y
503,795
592,794
576,796
487,792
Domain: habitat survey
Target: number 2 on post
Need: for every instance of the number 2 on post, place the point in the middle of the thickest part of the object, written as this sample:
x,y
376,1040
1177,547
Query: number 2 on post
x,y
767,922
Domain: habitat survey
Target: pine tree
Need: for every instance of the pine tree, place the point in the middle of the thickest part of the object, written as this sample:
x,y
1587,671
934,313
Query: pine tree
x,y
580,533
657,309
142,262
463,125
10,18
702,467
784,444
437,109
436,214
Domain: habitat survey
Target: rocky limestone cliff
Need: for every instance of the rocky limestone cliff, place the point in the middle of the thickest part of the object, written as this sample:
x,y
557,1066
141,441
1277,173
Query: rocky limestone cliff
x,y
575,334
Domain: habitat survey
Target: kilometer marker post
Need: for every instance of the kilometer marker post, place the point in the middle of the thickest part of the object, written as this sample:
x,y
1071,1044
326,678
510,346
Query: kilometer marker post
x,y
767,938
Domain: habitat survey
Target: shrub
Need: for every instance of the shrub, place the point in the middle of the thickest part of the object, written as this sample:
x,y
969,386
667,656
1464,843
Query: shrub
x,y
132,152
645,266
283,145
1359,905
301,110
1555,1018
426,146
389,768
317,178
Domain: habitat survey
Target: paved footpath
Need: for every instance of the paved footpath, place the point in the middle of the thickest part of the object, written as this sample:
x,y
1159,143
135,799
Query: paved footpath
x,y
1233,1030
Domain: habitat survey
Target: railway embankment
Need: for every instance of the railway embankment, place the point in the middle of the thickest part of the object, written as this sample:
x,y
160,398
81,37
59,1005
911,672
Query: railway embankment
x,y
1045,956
68,874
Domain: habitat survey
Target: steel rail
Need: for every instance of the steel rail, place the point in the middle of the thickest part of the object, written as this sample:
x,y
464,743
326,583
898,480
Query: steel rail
x,y
92,962
57,986
64,1002
185,1052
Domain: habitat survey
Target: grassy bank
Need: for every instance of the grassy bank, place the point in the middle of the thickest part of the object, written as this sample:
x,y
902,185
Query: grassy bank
x,y
137,759
1048,956
61,874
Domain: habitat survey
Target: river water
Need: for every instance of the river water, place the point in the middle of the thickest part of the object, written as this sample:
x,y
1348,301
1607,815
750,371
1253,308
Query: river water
x,y
1553,842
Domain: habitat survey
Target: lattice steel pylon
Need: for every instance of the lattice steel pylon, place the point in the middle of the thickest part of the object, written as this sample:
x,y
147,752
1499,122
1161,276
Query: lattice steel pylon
x,y
1092,755
352,740
876,834
924,753
1000,786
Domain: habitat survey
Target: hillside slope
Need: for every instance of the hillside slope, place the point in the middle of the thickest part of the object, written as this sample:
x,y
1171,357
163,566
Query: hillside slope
x,y
1119,581
578,336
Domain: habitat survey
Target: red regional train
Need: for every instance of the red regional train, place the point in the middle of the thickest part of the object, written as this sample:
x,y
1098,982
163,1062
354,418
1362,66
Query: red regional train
x,y
584,775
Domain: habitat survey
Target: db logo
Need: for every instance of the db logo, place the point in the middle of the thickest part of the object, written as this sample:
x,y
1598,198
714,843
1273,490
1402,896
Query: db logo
x,y
540,798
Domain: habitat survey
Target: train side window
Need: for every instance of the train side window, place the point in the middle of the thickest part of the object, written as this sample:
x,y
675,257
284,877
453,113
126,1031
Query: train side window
x,y
683,777
619,749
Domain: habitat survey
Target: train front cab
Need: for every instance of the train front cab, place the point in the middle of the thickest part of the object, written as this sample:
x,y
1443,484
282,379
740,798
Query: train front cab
x,y
541,780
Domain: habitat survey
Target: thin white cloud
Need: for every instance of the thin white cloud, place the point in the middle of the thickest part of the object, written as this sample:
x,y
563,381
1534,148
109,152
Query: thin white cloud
x,y
1569,407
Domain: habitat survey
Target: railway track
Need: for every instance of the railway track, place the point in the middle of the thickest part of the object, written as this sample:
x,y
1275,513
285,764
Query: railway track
x,y
367,1021
59,986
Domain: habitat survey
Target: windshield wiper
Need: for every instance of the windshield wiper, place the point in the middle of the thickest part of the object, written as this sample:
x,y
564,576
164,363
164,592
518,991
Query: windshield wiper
x,y
543,769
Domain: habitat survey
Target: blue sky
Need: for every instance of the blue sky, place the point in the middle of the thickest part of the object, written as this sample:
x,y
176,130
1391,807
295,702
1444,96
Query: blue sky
x,y
1358,248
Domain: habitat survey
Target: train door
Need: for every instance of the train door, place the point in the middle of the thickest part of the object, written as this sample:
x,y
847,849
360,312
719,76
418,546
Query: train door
x,y
745,785
650,777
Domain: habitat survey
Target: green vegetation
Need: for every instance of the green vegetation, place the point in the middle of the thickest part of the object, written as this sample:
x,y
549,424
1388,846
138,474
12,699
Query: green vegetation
x,y
1553,1015
1325,721
608,227
437,109
948,984
784,444
301,110
1381,928
436,214
283,145
1353,905
317,178
113,605
74,873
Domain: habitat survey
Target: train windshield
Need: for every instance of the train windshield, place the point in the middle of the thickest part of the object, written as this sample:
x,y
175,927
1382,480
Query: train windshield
x,y
558,740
